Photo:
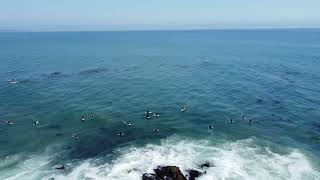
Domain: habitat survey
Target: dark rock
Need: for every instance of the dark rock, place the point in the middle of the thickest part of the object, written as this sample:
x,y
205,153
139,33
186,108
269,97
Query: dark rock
x,y
206,165
193,174
169,172
150,176
174,173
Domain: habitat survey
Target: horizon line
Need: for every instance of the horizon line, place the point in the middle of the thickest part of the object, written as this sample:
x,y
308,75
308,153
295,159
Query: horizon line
x,y
143,30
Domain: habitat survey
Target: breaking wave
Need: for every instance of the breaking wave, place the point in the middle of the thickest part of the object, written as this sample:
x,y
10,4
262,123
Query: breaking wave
x,y
242,159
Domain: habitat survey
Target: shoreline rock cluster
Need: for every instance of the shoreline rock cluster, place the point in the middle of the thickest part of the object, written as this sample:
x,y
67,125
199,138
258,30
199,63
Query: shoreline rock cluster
x,y
174,173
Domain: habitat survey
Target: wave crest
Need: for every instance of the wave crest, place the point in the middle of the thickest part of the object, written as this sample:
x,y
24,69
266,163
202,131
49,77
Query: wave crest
x,y
242,159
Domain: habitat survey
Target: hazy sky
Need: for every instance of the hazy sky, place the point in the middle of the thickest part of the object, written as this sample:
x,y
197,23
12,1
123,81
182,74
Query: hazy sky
x,y
156,14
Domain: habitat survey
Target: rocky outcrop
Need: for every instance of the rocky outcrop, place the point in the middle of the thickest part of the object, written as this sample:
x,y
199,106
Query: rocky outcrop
x,y
174,173
193,174
169,172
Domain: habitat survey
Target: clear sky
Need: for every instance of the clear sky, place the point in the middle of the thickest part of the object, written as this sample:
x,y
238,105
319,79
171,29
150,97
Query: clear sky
x,y
156,14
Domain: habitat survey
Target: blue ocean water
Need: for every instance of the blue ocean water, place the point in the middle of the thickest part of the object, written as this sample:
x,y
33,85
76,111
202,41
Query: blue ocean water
x,y
271,77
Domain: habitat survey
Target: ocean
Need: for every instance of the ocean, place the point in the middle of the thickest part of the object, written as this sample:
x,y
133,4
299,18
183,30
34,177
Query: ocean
x,y
270,76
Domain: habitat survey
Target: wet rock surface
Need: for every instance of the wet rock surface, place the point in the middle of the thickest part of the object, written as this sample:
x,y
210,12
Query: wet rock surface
x,y
169,172
193,174
174,173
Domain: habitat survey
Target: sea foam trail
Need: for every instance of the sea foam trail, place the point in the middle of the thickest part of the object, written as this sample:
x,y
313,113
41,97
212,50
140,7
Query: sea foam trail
x,y
28,167
18,167
242,159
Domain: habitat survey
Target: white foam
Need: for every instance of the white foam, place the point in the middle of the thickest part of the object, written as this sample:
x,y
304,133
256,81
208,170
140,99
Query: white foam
x,y
233,160
242,159
83,171
27,167
19,167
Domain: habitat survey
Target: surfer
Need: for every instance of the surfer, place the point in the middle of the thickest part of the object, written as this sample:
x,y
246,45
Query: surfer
x,y
156,130
92,117
12,81
210,127
82,118
250,121
10,123
120,134
126,123
157,115
148,115
148,112
75,136
60,167
183,108
35,123
231,120
243,117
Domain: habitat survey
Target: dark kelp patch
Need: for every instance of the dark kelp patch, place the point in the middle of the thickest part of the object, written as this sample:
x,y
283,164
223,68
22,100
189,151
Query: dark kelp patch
x,y
259,101
53,74
92,71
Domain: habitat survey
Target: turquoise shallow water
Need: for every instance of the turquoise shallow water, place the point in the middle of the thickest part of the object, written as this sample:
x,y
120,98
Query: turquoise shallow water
x,y
270,76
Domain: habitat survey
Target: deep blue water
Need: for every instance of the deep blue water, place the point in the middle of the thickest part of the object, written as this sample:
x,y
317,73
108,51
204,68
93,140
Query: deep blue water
x,y
270,76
